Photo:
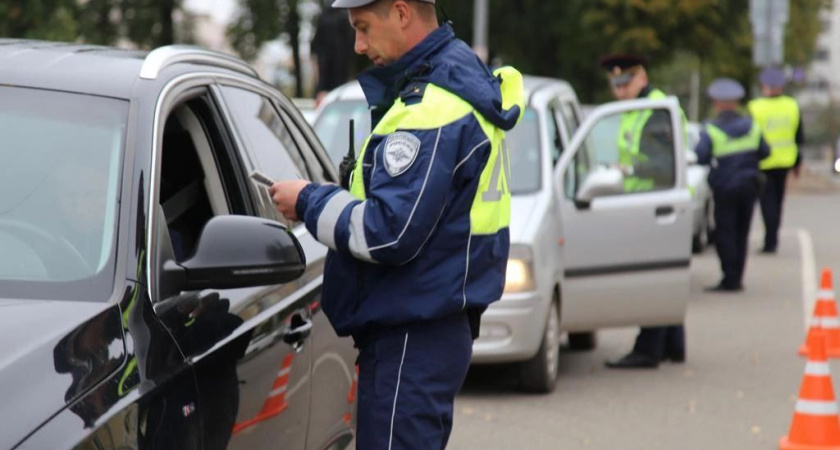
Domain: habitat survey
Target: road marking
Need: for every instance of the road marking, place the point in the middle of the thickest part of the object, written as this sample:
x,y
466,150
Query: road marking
x,y
809,274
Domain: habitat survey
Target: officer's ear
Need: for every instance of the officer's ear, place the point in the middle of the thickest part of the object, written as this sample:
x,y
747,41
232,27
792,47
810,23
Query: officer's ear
x,y
404,12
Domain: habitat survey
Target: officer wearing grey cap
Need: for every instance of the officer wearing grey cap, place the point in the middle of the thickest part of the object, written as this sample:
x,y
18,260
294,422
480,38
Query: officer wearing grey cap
x,y
781,122
651,164
420,240
732,145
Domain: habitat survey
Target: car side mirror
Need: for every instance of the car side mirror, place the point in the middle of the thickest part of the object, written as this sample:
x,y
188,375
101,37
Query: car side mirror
x,y
238,251
691,158
600,183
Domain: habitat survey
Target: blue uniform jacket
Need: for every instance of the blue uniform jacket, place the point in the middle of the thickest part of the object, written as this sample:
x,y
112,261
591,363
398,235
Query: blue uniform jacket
x,y
737,172
406,253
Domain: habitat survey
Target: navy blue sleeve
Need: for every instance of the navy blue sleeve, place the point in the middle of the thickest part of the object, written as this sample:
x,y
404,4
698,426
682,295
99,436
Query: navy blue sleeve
x,y
763,149
704,149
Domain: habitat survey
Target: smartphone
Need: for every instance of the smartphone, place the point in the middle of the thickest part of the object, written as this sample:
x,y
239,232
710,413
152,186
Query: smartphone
x,y
261,178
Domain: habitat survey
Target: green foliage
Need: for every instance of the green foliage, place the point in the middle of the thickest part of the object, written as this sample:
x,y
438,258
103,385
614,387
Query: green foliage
x,y
564,39
39,19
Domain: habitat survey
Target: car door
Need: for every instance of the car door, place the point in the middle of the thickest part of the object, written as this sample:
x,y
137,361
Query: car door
x,y
278,146
249,346
626,254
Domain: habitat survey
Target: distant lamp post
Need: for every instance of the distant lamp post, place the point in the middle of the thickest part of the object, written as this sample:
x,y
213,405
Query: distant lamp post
x,y
480,14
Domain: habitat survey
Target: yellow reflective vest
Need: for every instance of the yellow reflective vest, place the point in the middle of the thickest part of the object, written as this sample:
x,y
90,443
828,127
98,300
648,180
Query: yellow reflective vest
x,y
778,118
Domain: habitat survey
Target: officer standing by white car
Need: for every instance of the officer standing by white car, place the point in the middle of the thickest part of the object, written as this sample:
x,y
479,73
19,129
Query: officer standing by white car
x,y
419,244
732,145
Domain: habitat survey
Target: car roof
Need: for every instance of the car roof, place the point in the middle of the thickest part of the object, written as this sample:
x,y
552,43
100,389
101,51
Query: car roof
x,y
97,70
538,90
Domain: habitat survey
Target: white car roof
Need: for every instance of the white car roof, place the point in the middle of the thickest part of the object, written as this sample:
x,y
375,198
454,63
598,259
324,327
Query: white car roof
x,y
538,91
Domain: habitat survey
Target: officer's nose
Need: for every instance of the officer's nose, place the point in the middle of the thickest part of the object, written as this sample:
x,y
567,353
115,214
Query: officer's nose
x,y
361,47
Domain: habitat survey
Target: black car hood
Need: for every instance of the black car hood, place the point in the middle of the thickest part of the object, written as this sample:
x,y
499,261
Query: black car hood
x,y
51,352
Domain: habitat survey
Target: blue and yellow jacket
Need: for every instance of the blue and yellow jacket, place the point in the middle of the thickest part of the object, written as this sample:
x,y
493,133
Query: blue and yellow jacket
x,y
423,231
733,146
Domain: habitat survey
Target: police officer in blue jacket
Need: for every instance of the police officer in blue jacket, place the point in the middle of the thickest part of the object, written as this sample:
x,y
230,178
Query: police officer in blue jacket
x,y
419,244
732,144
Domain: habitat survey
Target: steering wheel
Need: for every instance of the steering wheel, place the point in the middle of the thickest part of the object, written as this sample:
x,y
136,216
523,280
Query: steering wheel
x,y
59,257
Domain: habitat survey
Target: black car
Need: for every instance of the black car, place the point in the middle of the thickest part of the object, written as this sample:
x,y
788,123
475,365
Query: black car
x,y
150,295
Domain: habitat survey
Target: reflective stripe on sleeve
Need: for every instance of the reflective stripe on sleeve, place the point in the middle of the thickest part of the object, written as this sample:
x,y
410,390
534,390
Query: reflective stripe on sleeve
x,y
358,242
329,217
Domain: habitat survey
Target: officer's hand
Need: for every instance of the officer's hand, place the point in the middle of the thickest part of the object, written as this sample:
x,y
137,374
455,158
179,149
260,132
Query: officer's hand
x,y
284,194
796,171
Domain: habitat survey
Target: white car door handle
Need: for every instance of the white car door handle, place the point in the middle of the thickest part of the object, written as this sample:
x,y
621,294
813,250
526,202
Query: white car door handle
x,y
664,211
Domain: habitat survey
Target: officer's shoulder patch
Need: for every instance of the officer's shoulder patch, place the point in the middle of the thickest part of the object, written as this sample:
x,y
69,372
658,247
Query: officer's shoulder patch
x,y
401,149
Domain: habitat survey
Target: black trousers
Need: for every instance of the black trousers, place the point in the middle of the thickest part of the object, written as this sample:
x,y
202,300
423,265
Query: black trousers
x,y
733,215
771,205
658,342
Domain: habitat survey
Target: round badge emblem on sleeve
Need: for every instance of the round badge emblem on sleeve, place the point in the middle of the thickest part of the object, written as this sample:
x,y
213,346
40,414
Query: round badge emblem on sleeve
x,y
401,150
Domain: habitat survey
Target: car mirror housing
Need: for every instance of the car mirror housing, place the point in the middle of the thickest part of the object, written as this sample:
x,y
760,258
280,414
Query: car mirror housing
x,y
600,183
239,251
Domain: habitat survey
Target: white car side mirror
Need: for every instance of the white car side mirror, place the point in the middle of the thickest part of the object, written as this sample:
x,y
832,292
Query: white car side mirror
x,y
600,183
690,158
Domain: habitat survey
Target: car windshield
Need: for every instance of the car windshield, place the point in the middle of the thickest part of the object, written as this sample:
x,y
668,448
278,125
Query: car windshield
x,y
332,127
60,161
523,144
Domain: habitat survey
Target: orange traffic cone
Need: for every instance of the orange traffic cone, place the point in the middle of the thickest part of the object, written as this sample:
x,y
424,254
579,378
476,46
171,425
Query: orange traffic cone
x,y
276,402
825,317
815,425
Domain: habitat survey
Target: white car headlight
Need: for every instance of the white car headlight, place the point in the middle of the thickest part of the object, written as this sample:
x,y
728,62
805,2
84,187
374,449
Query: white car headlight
x,y
520,275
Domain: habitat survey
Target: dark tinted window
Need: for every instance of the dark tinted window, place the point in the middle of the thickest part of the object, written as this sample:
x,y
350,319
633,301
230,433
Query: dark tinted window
x,y
60,165
267,137
523,144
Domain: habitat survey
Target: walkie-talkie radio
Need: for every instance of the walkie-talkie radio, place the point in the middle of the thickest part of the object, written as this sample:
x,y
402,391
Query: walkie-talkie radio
x,y
345,169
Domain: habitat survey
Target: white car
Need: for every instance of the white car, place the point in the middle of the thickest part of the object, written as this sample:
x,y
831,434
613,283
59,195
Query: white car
x,y
584,255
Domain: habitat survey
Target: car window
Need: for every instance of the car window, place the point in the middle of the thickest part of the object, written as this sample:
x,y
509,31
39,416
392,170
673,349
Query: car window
x,y
314,166
646,155
198,179
570,116
60,166
523,144
333,127
266,135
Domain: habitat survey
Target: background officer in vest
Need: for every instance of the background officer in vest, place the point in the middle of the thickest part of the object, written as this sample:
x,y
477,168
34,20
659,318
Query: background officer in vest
x,y
646,157
419,245
732,145
645,153
780,120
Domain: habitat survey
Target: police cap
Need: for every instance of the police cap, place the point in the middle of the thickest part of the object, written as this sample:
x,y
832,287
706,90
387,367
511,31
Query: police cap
x,y
358,3
726,90
772,77
621,67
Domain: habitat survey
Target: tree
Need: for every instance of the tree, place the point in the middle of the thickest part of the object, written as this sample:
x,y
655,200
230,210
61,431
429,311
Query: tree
x,y
261,21
149,23
51,20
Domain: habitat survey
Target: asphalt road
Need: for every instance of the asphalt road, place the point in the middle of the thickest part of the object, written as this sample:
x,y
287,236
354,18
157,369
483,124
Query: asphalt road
x,y
737,389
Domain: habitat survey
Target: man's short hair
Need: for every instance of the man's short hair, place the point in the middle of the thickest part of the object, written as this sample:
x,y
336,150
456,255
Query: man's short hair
x,y
425,10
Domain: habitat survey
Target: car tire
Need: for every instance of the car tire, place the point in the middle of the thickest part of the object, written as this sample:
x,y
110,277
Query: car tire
x,y
539,374
583,341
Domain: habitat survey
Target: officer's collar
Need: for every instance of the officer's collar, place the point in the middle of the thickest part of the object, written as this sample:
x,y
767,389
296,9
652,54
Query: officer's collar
x,y
381,85
645,92
728,114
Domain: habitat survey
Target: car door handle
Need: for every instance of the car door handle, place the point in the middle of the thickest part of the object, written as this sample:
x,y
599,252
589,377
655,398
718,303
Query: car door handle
x,y
664,211
302,329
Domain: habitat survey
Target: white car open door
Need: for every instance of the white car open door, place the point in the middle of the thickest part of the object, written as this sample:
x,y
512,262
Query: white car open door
x,y
626,248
